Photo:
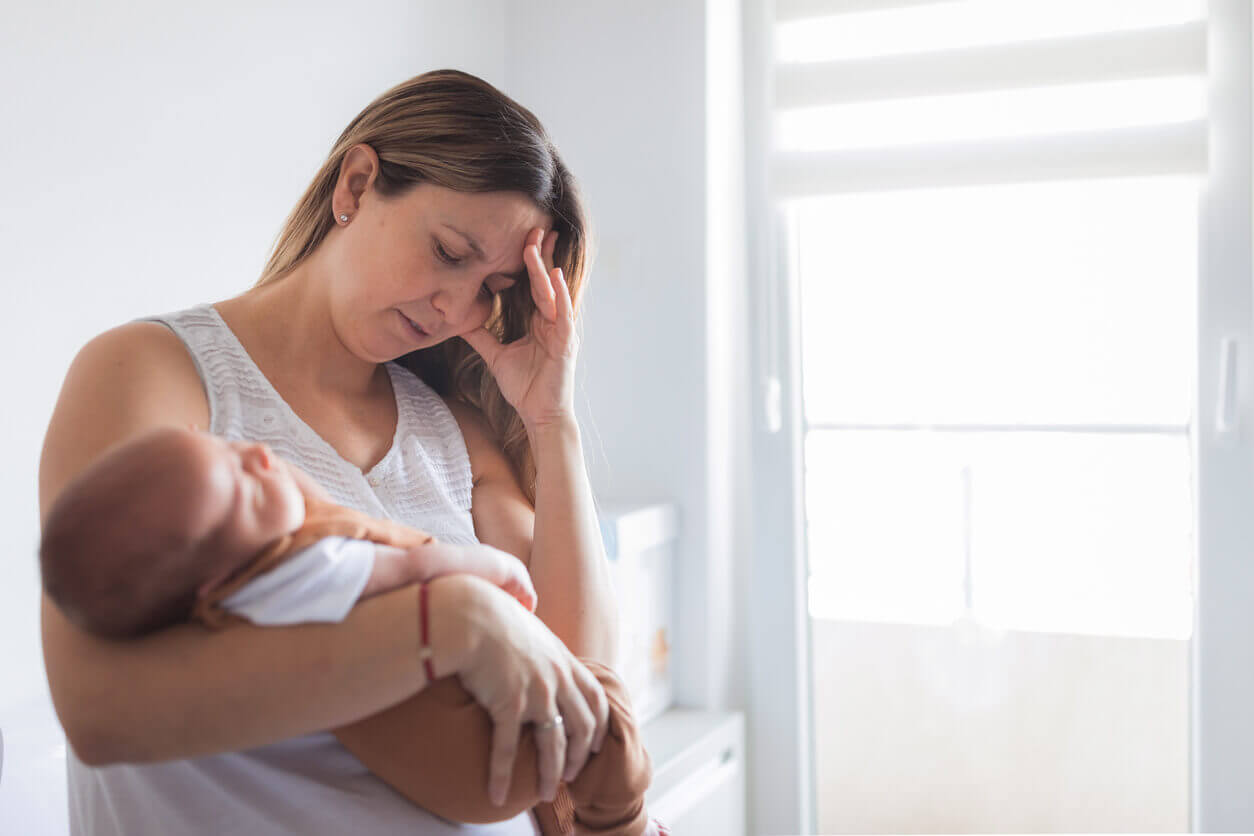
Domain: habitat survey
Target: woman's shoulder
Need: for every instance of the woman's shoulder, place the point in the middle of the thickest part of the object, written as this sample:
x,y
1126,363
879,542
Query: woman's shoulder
x,y
126,380
138,360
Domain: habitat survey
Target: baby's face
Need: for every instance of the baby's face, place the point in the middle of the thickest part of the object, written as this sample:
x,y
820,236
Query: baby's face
x,y
262,500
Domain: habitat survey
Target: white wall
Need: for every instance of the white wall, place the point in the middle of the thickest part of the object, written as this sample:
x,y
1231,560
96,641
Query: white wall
x,y
155,149
151,151
649,123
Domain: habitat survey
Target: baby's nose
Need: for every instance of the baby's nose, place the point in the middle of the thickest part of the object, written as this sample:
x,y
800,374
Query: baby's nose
x,y
260,454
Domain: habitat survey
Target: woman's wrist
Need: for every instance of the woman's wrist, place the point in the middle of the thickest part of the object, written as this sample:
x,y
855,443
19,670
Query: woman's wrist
x,y
558,429
451,602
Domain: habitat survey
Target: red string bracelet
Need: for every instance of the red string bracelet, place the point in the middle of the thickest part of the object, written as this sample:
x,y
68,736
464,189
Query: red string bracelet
x,y
424,651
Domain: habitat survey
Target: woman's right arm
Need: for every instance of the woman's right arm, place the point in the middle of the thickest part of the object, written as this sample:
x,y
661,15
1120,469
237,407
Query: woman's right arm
x,y
184,692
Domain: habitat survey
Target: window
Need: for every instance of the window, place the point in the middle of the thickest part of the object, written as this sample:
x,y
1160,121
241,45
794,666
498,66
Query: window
x,y
993,211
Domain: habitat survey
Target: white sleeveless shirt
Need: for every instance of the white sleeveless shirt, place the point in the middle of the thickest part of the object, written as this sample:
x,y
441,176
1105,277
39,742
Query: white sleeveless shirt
x,y
309,784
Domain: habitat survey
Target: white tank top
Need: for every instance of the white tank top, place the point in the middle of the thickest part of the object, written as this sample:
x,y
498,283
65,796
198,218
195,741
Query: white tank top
x,y
309,784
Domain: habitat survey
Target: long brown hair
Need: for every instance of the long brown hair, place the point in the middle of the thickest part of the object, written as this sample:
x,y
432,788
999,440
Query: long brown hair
x,y
455,130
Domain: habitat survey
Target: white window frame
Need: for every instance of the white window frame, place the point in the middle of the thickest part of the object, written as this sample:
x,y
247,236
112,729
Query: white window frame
x,y
782,785
1221,735
781,780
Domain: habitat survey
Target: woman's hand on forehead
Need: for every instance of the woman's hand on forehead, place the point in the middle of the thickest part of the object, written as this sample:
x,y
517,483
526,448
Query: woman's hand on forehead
x,y
536,373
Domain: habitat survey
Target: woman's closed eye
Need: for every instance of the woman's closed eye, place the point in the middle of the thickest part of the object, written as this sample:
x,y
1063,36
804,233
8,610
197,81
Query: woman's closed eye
x,y
485,291
447,257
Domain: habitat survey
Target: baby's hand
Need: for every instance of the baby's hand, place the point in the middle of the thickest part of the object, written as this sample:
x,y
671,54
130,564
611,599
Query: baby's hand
x,y
493,565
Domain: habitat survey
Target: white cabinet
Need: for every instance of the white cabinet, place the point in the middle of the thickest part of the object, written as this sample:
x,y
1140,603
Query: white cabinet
x,y
698,771
640,541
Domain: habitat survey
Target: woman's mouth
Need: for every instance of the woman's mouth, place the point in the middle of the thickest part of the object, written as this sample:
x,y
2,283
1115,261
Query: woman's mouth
x,y
414,327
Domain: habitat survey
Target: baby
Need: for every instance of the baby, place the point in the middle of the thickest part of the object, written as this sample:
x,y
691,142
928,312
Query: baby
x,y
179,524
172,523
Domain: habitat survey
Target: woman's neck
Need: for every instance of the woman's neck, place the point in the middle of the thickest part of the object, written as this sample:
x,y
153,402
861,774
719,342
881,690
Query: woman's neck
x,y
286,327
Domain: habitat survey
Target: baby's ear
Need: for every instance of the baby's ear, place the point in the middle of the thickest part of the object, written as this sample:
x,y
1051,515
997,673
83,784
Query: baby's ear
x,y
202,591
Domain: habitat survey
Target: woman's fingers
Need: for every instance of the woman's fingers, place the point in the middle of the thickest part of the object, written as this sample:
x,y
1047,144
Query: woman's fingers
x,y
541,292
521,672
551,745
580,725
548,244
506,727
595,697
565,318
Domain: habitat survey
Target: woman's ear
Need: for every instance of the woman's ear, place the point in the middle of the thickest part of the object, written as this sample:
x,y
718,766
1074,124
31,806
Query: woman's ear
x,y
358,170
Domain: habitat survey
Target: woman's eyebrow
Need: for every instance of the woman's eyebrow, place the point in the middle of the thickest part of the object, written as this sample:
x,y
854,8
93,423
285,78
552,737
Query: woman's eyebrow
x,y
474,245
516,276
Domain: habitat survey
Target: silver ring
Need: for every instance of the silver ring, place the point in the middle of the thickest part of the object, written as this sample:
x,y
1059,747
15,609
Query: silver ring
x,y
551,724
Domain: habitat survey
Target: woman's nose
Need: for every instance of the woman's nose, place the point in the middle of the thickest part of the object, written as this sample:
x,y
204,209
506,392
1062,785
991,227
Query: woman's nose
x,y
457,306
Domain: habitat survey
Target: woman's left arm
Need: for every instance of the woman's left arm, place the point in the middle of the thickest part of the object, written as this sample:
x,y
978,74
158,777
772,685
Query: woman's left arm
x,y
568,556
560,540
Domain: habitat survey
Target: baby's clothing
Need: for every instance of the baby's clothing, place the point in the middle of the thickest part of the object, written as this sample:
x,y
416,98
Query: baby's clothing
x,y
321,582
309,784
607,797
322,520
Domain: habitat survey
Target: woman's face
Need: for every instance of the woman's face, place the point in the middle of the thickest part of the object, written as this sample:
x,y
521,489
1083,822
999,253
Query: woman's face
x,y
413,271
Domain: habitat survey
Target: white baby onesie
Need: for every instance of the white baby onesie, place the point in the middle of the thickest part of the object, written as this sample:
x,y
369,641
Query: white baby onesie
x,y
319,583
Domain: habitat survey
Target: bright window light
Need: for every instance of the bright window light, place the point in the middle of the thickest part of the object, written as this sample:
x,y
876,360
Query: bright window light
x,y
991,115
884,525
1066,533
1084,534
954,25
934,320
1061,302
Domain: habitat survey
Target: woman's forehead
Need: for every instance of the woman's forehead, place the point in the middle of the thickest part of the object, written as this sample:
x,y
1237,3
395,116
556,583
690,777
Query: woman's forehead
x,y
490,219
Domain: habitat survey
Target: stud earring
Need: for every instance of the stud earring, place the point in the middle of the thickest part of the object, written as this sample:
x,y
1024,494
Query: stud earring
x,y
343,219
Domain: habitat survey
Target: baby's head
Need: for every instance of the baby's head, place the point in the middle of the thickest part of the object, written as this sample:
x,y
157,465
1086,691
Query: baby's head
x,y
159,521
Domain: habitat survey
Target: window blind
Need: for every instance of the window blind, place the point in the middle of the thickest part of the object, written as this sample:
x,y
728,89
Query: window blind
x,y
887,94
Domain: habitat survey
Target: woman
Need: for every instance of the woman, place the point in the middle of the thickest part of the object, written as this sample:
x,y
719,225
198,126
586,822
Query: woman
x,y
444,231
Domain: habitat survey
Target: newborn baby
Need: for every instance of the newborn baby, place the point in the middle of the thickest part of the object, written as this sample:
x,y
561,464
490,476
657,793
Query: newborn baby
x,y
180,524
160,525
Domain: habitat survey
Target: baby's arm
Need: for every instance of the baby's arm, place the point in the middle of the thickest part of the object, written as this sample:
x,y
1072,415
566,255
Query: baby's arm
x,y
395,567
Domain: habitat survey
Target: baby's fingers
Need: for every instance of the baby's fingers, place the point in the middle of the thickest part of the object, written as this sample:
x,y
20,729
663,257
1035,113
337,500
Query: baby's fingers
x,y
520,586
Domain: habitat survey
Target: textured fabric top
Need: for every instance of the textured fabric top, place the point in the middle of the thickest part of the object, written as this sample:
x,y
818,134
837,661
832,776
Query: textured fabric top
x,y
309,784
422,481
